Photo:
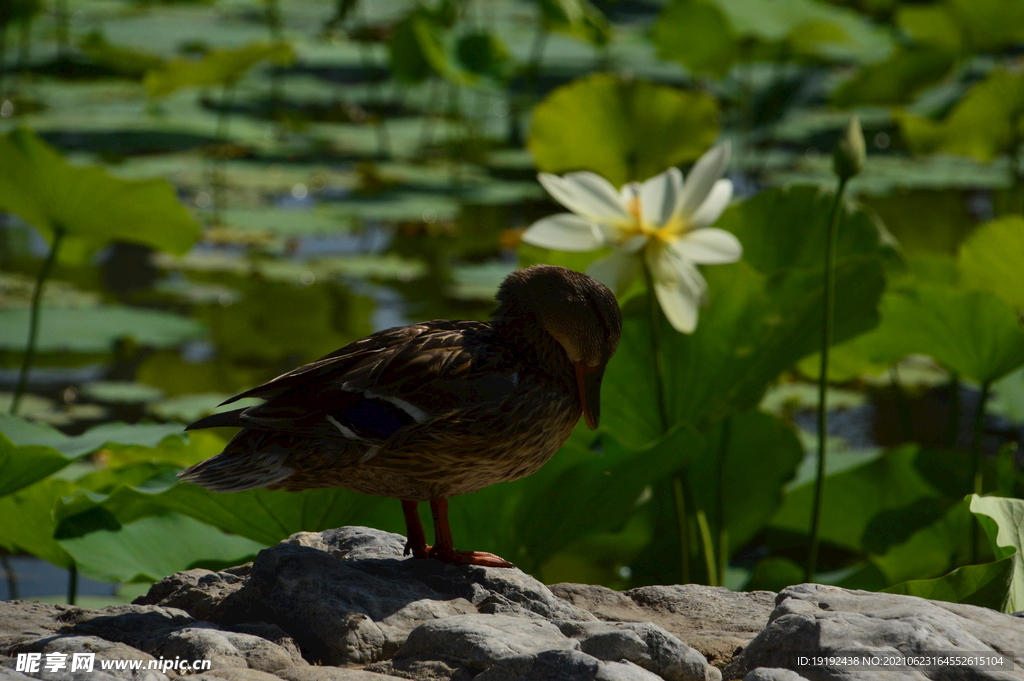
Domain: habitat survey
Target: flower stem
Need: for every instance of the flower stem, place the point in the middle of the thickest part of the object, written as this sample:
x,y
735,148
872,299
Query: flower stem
x,y
826,342
659,376
977,474
682,526
723,529
678,479
33,320
707,546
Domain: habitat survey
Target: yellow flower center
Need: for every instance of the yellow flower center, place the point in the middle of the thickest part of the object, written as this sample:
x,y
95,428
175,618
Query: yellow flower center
x,y
676,226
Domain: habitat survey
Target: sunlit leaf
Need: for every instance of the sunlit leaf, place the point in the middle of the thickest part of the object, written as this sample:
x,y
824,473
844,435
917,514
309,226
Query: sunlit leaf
x,y
971,332
983,585
992,259
31,451
86,202
153,547
1003,520
217,67
623,130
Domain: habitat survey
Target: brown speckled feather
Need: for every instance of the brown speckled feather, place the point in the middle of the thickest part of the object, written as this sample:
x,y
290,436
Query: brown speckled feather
x,y
421,412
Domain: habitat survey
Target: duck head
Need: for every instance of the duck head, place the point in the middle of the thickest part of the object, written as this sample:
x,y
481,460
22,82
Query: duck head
x,y
578,312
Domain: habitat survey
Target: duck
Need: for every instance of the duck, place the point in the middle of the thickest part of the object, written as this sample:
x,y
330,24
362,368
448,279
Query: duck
x,y
425,412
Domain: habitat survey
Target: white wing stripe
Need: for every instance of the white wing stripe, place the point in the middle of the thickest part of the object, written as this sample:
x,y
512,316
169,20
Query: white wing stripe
x,y
418,415
347,432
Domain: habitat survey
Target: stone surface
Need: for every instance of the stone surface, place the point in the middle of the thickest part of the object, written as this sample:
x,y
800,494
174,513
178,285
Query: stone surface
x,y
772,674
319,673
713,620
644,644
350,597
828,620
346,605
102,649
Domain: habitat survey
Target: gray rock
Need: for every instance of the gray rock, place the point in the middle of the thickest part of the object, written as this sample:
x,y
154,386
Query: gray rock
x,y
170,632
421,670
563,665
349,597
22,621
236,674
100,648
644,644
773,674
8,674
828,620
478,641
223,649
713,620
315,673
199,592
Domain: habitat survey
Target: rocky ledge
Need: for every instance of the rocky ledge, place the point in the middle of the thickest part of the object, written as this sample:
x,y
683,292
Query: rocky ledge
x,y
345,605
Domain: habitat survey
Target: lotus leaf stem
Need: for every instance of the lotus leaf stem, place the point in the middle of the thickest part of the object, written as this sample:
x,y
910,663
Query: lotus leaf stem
x,y
826,343
73,584
33,320
976,461
12,579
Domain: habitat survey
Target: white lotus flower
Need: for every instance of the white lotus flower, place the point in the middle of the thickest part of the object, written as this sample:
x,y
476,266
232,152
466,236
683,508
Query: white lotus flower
x,y
662,222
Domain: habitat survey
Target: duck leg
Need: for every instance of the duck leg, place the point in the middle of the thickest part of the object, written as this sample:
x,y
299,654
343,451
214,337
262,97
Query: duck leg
x,y
443,548
416,539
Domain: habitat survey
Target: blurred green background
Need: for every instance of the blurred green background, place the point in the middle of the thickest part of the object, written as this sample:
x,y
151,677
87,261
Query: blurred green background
x,y
239,187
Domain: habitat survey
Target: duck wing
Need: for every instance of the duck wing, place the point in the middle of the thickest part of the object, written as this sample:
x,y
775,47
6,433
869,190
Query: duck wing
x,y
372,389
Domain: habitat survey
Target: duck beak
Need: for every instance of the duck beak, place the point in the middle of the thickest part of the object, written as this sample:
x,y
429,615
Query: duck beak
x,y
588,383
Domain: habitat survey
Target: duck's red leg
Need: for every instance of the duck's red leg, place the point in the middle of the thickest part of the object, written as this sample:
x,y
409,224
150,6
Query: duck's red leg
x,y
416,539
443,549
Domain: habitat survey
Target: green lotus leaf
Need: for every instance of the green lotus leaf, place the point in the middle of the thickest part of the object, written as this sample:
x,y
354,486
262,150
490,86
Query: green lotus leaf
x,y
121,60
983,585
698,35
890,484
971,332
980,125
643,128
1003,520
992,259
150,548
897,79
223,67
97,329
578,18
31,451
484,54
85,202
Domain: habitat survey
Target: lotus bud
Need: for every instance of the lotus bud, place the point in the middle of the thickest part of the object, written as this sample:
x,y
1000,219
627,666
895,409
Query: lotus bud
x,y
848,157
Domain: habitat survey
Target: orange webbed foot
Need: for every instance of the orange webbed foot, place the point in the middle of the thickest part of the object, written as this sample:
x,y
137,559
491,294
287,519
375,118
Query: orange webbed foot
x,y
467,557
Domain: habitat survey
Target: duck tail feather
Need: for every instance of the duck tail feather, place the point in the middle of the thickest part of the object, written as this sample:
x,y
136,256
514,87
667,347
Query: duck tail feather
x,y
223,419
246,463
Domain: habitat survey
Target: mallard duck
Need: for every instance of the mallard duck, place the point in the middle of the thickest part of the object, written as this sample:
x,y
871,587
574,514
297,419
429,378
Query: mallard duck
x,y
432,410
